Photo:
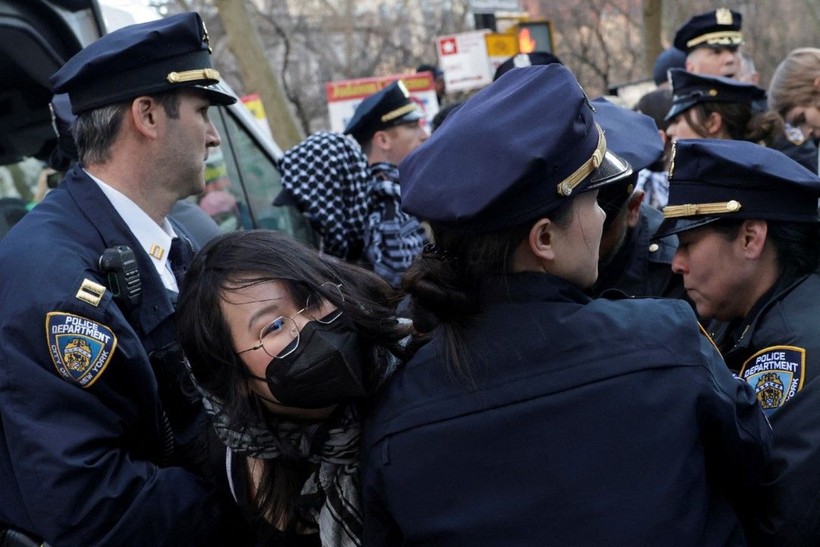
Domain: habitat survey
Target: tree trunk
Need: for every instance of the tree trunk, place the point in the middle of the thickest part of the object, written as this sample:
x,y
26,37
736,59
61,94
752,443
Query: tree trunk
x,y
257,74
652,18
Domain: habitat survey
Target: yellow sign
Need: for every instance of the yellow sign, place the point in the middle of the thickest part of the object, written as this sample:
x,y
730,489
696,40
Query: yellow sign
x,y
254,104
501,45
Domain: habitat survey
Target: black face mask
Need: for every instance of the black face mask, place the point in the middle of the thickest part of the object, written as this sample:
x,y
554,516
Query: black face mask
x,y
325,369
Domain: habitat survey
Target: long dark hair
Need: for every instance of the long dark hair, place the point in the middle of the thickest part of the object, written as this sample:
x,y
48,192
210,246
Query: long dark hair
x,y
445,282
241,259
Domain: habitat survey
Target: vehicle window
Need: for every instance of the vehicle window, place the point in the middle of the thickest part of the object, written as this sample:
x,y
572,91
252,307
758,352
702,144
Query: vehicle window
x,y
22,185
242,181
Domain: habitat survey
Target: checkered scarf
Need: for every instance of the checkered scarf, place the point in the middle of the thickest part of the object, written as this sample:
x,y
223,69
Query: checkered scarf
x,y
393,238
327,175
335,483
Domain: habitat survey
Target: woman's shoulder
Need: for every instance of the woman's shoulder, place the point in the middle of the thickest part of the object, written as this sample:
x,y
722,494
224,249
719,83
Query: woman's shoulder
x,y
662,313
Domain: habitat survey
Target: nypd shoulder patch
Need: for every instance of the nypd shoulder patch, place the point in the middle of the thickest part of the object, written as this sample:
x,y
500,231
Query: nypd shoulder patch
x,y
80,348
776,373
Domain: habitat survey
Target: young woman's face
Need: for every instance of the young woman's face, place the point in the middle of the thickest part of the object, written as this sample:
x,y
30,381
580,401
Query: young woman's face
x,y
807,118
268,306
577,244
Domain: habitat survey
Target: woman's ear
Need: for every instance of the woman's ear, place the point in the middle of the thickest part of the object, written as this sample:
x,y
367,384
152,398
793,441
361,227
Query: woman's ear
x,y
753,237
536,252
714,124
540,239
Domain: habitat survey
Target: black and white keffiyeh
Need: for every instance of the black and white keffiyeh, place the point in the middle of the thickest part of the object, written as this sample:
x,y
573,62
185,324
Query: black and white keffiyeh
x,y
327,175
393,238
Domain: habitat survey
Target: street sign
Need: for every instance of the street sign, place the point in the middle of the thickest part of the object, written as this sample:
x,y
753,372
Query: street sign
x,y
463,58
500,47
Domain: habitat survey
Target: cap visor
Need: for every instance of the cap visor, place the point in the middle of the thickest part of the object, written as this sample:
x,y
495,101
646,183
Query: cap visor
x,y
717,44
672,226
679,108
612,169
411,116
216,94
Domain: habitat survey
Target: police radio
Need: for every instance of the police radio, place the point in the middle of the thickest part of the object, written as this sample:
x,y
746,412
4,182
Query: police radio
x,y
119,265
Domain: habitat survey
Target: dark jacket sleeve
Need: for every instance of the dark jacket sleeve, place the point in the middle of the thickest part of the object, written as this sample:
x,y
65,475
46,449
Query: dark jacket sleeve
x,y
737,435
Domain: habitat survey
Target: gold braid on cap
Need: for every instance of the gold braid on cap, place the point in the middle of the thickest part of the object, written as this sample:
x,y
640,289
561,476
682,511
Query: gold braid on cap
x,y
566,186
722,38
701,209
193,75
401,111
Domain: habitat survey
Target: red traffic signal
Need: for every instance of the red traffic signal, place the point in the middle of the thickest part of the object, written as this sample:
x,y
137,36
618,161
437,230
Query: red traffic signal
x,y
535,36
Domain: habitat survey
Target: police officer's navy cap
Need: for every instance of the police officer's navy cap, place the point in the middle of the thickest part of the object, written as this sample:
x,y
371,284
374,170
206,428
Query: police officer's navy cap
x,y
690,89
515,152
711,179
668,59
436,71
719,28
141,59
633,137
386,108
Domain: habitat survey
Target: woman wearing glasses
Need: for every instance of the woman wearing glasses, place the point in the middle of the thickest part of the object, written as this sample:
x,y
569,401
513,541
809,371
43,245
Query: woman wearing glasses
x,y
284,345
535,416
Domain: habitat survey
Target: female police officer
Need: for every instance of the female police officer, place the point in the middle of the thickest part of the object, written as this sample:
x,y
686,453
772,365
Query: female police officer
x,y
535,416
746,217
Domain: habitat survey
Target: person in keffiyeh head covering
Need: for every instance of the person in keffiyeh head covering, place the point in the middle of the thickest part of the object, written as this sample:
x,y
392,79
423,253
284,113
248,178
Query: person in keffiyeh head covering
x,y
388,126
326,176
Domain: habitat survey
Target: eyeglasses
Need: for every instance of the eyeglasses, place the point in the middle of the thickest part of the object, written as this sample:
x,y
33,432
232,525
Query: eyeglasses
x,y
280,337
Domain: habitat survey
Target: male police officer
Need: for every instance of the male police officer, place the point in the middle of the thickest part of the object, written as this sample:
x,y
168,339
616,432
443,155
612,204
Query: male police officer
x,y
99,443
387,126
746,218
629,260
711,42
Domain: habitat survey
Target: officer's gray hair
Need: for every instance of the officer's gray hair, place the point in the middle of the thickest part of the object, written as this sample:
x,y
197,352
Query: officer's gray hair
x,y
95,131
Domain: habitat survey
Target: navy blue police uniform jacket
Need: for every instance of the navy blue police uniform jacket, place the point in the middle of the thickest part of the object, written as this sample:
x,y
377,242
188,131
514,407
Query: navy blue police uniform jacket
x,y
574,429
84,456
776,349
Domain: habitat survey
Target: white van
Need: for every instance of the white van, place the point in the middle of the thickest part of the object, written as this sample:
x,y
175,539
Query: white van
x,y
36,38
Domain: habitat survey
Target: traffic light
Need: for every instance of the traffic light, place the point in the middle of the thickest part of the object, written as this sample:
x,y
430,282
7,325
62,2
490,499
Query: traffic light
x,y
535,36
